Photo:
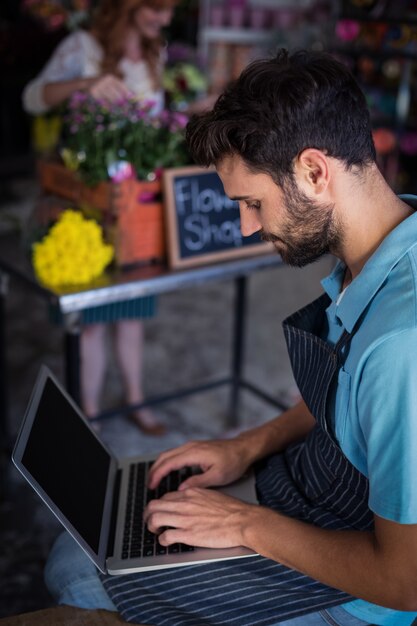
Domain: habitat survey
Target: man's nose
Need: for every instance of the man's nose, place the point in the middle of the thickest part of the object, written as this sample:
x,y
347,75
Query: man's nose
x,y
249,222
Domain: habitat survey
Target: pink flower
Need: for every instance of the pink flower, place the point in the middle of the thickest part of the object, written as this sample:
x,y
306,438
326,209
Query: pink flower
x,y
347,30
120,171
146,196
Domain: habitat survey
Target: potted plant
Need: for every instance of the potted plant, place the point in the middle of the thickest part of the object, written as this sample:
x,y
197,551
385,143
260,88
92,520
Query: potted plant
x,y
111,159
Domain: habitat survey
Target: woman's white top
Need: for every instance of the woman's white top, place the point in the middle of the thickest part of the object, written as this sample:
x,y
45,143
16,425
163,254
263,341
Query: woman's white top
x,y
79,55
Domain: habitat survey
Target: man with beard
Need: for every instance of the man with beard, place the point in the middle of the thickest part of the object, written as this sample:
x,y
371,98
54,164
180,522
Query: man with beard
x,y
337,527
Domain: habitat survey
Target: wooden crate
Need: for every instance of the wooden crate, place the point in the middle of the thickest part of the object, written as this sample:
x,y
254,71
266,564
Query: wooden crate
x,y
132,211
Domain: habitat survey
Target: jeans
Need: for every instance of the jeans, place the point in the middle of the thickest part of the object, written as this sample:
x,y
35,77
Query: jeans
x,y
336,616
72,579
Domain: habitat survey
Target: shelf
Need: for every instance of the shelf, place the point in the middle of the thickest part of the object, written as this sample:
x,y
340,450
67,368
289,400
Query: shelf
x,y
236,35
383,55
359,16
283,4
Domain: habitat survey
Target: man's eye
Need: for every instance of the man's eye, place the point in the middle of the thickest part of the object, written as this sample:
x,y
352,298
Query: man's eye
x,y
253,206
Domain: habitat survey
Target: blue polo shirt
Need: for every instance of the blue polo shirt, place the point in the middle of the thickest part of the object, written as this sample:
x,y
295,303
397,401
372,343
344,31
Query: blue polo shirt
x,y
374,410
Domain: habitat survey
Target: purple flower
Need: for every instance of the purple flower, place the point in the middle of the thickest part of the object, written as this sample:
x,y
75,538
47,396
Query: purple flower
x,y
77,98
141,139
180,53
178,122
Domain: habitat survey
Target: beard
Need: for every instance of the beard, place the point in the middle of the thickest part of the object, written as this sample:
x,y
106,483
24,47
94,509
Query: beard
x,y
309,231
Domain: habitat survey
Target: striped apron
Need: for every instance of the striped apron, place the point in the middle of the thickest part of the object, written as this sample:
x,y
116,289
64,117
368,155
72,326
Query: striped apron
x,y
311,481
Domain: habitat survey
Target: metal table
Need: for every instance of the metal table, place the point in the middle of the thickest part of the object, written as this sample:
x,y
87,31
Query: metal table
x,y
128,284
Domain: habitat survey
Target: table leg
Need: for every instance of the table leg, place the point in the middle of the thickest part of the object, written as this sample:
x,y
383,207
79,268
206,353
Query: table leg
x,y
238,347
5,443
72,324
4,403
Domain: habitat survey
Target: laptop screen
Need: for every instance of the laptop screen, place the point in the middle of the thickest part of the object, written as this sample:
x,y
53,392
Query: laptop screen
x,y
68,462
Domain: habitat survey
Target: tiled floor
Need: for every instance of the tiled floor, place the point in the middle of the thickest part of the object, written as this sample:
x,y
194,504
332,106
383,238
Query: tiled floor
x,y
187,342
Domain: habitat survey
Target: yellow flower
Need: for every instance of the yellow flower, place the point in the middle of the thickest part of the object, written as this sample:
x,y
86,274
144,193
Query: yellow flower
x,y
72,253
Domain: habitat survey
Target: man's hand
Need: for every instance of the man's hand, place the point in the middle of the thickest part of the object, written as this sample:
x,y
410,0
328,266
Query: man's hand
x,y
199,517
225,460
221,462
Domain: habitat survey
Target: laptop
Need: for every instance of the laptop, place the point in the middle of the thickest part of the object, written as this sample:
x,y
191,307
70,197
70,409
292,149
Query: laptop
x,y
97,497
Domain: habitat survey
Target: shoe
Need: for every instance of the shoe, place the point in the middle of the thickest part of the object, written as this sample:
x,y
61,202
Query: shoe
x,y
145,420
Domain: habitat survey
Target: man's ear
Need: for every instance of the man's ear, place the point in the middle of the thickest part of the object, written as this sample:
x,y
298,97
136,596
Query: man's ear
x,y
312,171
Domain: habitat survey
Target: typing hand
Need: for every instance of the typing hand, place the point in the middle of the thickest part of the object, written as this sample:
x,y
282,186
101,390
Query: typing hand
x,y
221,462
200,517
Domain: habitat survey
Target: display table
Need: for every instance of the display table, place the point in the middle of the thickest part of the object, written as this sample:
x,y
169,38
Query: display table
x,y
120,285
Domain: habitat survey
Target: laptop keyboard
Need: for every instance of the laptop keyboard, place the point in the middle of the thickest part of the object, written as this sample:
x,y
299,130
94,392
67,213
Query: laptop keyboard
x,y
138,541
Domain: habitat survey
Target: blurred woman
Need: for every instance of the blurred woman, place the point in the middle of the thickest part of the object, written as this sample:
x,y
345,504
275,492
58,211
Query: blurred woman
x,y
121,55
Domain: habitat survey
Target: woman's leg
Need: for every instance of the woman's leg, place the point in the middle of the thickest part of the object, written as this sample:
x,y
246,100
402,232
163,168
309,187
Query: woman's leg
x,y
72,578
129,348
93,366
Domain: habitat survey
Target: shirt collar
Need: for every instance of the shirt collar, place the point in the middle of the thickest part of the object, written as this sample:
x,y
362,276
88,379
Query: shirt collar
x,y
363,288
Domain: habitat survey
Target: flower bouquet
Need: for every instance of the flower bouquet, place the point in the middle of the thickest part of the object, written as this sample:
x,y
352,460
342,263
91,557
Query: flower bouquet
x,y
73,252
183,79
104,141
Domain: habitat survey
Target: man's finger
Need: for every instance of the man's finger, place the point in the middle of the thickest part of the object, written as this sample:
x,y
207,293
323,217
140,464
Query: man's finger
x,y
168,454
198,480
173,462
161,520
173,535
171,465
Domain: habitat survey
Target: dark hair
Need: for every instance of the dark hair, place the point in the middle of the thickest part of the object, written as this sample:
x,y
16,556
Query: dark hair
x,y
280,106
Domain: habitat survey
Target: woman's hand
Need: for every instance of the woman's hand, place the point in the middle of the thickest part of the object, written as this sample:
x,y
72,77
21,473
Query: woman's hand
x,y
108,87
221,462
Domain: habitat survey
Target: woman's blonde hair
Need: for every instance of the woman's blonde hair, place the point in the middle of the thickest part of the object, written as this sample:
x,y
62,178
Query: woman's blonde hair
x,y
110,22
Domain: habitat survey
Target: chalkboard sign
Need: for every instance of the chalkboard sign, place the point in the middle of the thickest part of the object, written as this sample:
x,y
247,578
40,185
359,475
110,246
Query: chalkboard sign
x,y
203,224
